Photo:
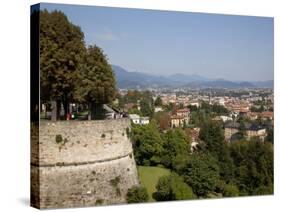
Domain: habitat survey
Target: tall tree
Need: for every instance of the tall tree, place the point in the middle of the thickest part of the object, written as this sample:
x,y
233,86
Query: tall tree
x,y
212,135
201,172
158,101
97,84
147,144
146,107
242,128
176,148
163,120
61,51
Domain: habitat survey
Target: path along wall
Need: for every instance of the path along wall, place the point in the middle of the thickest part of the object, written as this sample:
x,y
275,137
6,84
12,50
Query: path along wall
x,y
81,163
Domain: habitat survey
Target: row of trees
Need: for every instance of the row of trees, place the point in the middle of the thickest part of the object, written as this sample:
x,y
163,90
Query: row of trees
x,y
69,70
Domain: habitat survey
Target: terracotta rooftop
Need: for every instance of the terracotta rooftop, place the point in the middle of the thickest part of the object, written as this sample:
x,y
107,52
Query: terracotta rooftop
x,y
177,117
248,126
183,110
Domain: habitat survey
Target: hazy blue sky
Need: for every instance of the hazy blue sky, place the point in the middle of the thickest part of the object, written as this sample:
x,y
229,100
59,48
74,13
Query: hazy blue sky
x,y
163,42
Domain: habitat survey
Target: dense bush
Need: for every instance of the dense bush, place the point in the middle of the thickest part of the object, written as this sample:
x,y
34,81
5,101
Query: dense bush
x,y
172,187
137,194
253,167
201,172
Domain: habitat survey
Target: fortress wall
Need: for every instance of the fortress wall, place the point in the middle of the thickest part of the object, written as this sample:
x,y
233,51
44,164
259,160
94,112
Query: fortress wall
x,y
94,166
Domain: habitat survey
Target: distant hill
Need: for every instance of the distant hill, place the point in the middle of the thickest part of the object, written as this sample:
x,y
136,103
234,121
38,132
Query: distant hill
x,y
127,79
183,78
264,84
220,84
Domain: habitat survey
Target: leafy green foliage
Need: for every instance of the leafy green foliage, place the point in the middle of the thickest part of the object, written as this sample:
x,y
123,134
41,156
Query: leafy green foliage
x,y
193,108
213,136
61,51
147,143
137,195
201,172
176,148
213,109
96,84
230,190
254,166
158,101
206,111
146,108
270,136
69,71
169,107
263,190
241,135
215,168
96,78
135,111
172,187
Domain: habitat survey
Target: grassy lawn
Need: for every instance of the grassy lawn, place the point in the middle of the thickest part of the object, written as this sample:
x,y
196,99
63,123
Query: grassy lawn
x,y
149,176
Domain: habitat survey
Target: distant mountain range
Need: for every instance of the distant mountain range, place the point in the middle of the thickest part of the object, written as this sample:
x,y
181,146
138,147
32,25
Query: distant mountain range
x,y
126,79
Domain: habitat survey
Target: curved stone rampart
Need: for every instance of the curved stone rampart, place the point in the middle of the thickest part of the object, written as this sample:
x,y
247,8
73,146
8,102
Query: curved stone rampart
x,y
82,163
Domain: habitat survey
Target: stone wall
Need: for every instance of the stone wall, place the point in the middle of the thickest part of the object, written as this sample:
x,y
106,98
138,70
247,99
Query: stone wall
x,y
82,163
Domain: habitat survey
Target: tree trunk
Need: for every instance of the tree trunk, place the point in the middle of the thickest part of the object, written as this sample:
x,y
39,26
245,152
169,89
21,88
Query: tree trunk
x,y
55,104
65,103
65,108
90,111
97,111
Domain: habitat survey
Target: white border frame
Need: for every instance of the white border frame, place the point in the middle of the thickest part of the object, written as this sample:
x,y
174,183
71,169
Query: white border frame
x,y
14,107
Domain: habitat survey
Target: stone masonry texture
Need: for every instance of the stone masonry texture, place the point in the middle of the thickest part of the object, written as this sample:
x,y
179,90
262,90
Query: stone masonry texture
x,y
81,163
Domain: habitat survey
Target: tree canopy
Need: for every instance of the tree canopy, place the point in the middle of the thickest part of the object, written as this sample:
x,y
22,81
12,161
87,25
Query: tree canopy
x,y
176,148
254,167
96,82
61,51
201,172
68,70
148,144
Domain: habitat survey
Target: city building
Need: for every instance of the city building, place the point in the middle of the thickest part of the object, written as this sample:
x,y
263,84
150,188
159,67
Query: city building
x,y
136,119
158,109
144,120
180,117
178,121
266,115
225,118
251,131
